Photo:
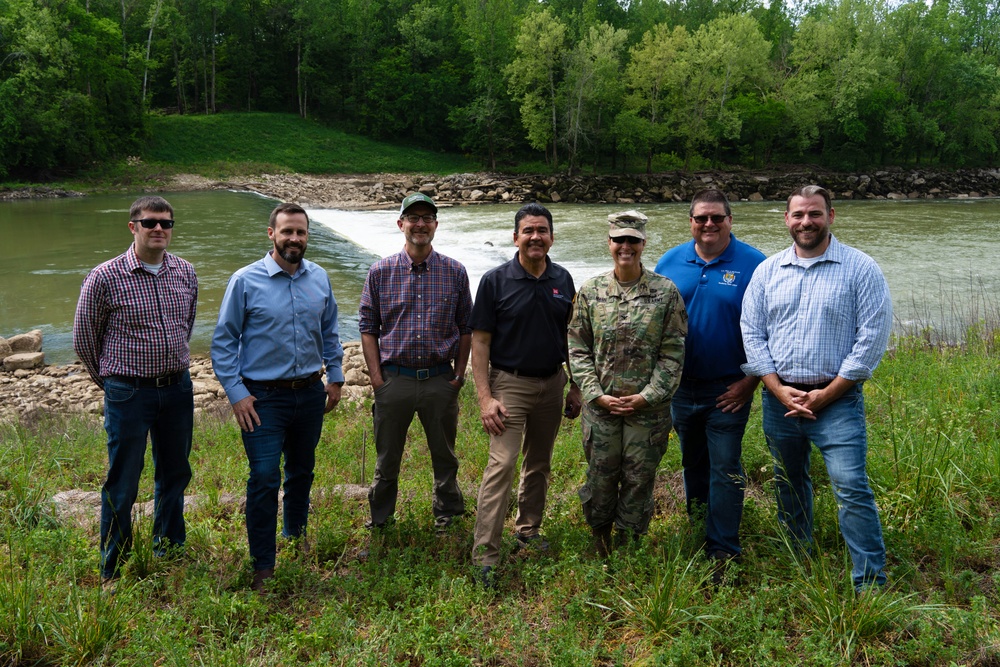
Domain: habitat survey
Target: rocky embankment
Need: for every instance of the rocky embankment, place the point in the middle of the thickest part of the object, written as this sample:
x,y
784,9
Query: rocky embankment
x,y
374,191
387,190
68,389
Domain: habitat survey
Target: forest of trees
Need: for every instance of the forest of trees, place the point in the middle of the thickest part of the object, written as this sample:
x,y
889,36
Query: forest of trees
x,y
582,84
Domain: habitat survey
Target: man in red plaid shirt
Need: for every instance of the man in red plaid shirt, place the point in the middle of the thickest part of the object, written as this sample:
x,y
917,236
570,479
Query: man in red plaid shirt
x,y
132,328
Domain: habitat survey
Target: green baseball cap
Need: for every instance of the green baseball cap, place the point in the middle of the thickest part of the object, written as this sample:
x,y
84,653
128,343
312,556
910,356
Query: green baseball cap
x,y
416,198
629,223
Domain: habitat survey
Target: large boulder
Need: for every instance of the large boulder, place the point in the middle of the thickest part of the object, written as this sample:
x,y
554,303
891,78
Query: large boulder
x,y
5,350
24,360
27,342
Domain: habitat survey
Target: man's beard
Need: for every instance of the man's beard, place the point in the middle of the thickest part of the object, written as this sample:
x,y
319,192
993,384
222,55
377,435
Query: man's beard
x,y
292,254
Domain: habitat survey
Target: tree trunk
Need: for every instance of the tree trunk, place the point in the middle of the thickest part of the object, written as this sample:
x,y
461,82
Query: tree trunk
x,y
149,49
178,79
215,15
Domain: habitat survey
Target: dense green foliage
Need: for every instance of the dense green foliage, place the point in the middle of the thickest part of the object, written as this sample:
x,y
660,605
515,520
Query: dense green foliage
x,y
934,462
601,84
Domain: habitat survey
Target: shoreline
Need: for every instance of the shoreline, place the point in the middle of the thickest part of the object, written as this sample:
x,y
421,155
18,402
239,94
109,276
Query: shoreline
x,y
385,191
61,389
52,389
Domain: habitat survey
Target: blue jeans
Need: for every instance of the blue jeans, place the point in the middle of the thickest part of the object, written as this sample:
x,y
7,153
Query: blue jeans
x,y
839,434
711,446
290,423
166,416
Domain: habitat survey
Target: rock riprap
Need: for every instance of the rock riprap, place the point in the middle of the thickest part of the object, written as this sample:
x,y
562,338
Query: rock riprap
x,y
69,389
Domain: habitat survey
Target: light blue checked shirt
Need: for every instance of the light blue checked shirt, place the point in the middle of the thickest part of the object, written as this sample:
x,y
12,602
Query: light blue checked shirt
x,y
810,320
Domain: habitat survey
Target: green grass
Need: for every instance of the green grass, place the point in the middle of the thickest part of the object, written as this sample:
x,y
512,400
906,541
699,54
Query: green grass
x,y
273,143
934,462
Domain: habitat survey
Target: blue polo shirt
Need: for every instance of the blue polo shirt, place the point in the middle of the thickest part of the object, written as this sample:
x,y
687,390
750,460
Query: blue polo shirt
x,y
713,296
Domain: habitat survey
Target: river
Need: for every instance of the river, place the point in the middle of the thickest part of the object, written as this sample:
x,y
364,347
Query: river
x,y
940,257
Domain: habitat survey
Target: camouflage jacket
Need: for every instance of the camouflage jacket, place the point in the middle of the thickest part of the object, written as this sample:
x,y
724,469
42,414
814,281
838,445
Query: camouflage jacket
x,y
624,342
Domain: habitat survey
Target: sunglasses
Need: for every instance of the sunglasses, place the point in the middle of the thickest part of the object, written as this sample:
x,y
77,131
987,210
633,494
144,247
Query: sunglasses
x,y
151,223
716,219
631,240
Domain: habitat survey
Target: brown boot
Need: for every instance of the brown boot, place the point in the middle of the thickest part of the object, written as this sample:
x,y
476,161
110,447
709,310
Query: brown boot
x,y
624,537
602,541
259,577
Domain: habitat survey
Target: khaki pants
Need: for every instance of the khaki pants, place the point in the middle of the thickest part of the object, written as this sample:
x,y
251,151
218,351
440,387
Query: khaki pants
x,y
535,406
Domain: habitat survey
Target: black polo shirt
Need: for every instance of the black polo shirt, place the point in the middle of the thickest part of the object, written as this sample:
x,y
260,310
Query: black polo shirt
x,y
526,316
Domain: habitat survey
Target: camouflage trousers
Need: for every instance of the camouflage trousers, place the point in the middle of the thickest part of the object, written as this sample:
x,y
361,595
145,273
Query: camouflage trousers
x,y
622,456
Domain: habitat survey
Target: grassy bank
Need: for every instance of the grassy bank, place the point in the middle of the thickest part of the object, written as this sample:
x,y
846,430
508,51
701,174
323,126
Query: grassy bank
x,y
273,143
231,145
934,463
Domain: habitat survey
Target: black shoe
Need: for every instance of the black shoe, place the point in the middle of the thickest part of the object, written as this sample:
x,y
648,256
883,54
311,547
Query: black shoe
x,y
720,560
531,542
486,578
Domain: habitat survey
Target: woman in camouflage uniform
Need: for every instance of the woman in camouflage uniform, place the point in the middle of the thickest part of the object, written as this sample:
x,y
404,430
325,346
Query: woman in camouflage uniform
x,y
626,351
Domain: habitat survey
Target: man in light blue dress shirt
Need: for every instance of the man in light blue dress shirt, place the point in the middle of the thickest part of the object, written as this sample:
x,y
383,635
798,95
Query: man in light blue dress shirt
x,y
816,320
277,330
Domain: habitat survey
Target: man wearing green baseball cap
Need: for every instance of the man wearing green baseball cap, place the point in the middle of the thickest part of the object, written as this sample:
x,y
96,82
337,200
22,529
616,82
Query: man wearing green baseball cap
x,y
415,335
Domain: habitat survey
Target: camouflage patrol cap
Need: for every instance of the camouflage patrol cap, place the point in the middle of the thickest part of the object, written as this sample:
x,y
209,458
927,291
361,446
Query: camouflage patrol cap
x,y
629,223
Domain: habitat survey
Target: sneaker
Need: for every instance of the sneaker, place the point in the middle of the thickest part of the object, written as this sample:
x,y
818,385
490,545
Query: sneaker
x,y
442,523
109,585
531,542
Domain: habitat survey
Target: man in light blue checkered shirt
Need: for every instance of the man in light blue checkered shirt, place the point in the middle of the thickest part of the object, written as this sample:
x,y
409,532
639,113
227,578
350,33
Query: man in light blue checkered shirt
x,y
816,320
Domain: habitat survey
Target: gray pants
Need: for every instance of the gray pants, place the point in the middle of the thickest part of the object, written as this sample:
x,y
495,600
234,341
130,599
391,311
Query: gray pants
x,y
435,402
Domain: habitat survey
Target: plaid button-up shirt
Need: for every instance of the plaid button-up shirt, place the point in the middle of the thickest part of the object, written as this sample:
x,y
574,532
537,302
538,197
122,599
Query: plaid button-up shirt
x,y
134,323
417,311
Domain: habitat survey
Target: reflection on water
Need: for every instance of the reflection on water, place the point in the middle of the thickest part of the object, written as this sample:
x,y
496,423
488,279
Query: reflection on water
x,y
938,256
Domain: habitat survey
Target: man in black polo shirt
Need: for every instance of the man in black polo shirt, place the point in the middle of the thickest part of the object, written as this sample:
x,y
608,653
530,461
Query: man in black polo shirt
x,y
518,348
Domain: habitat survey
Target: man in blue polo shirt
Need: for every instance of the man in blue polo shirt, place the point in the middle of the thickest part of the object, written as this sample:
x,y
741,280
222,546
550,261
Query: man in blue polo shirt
x,y
518,349
711,408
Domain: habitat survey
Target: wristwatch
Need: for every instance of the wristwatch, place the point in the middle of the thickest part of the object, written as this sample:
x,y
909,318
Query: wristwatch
x,y
461,380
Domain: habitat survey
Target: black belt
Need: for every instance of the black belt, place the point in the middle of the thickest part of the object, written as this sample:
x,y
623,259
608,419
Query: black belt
x,y
148,383
528,373
801,386
419,373
729,379
301,383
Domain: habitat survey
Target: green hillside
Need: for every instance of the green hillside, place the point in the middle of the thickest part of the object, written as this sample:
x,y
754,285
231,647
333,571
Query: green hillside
x,y
282,142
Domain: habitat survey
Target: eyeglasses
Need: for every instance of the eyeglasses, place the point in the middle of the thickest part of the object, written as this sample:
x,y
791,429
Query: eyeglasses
x,y
151,223
413,218
716,219
631,240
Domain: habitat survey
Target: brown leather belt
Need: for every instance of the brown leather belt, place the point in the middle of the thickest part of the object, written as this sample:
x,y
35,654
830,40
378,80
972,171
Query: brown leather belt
x,y
528,373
